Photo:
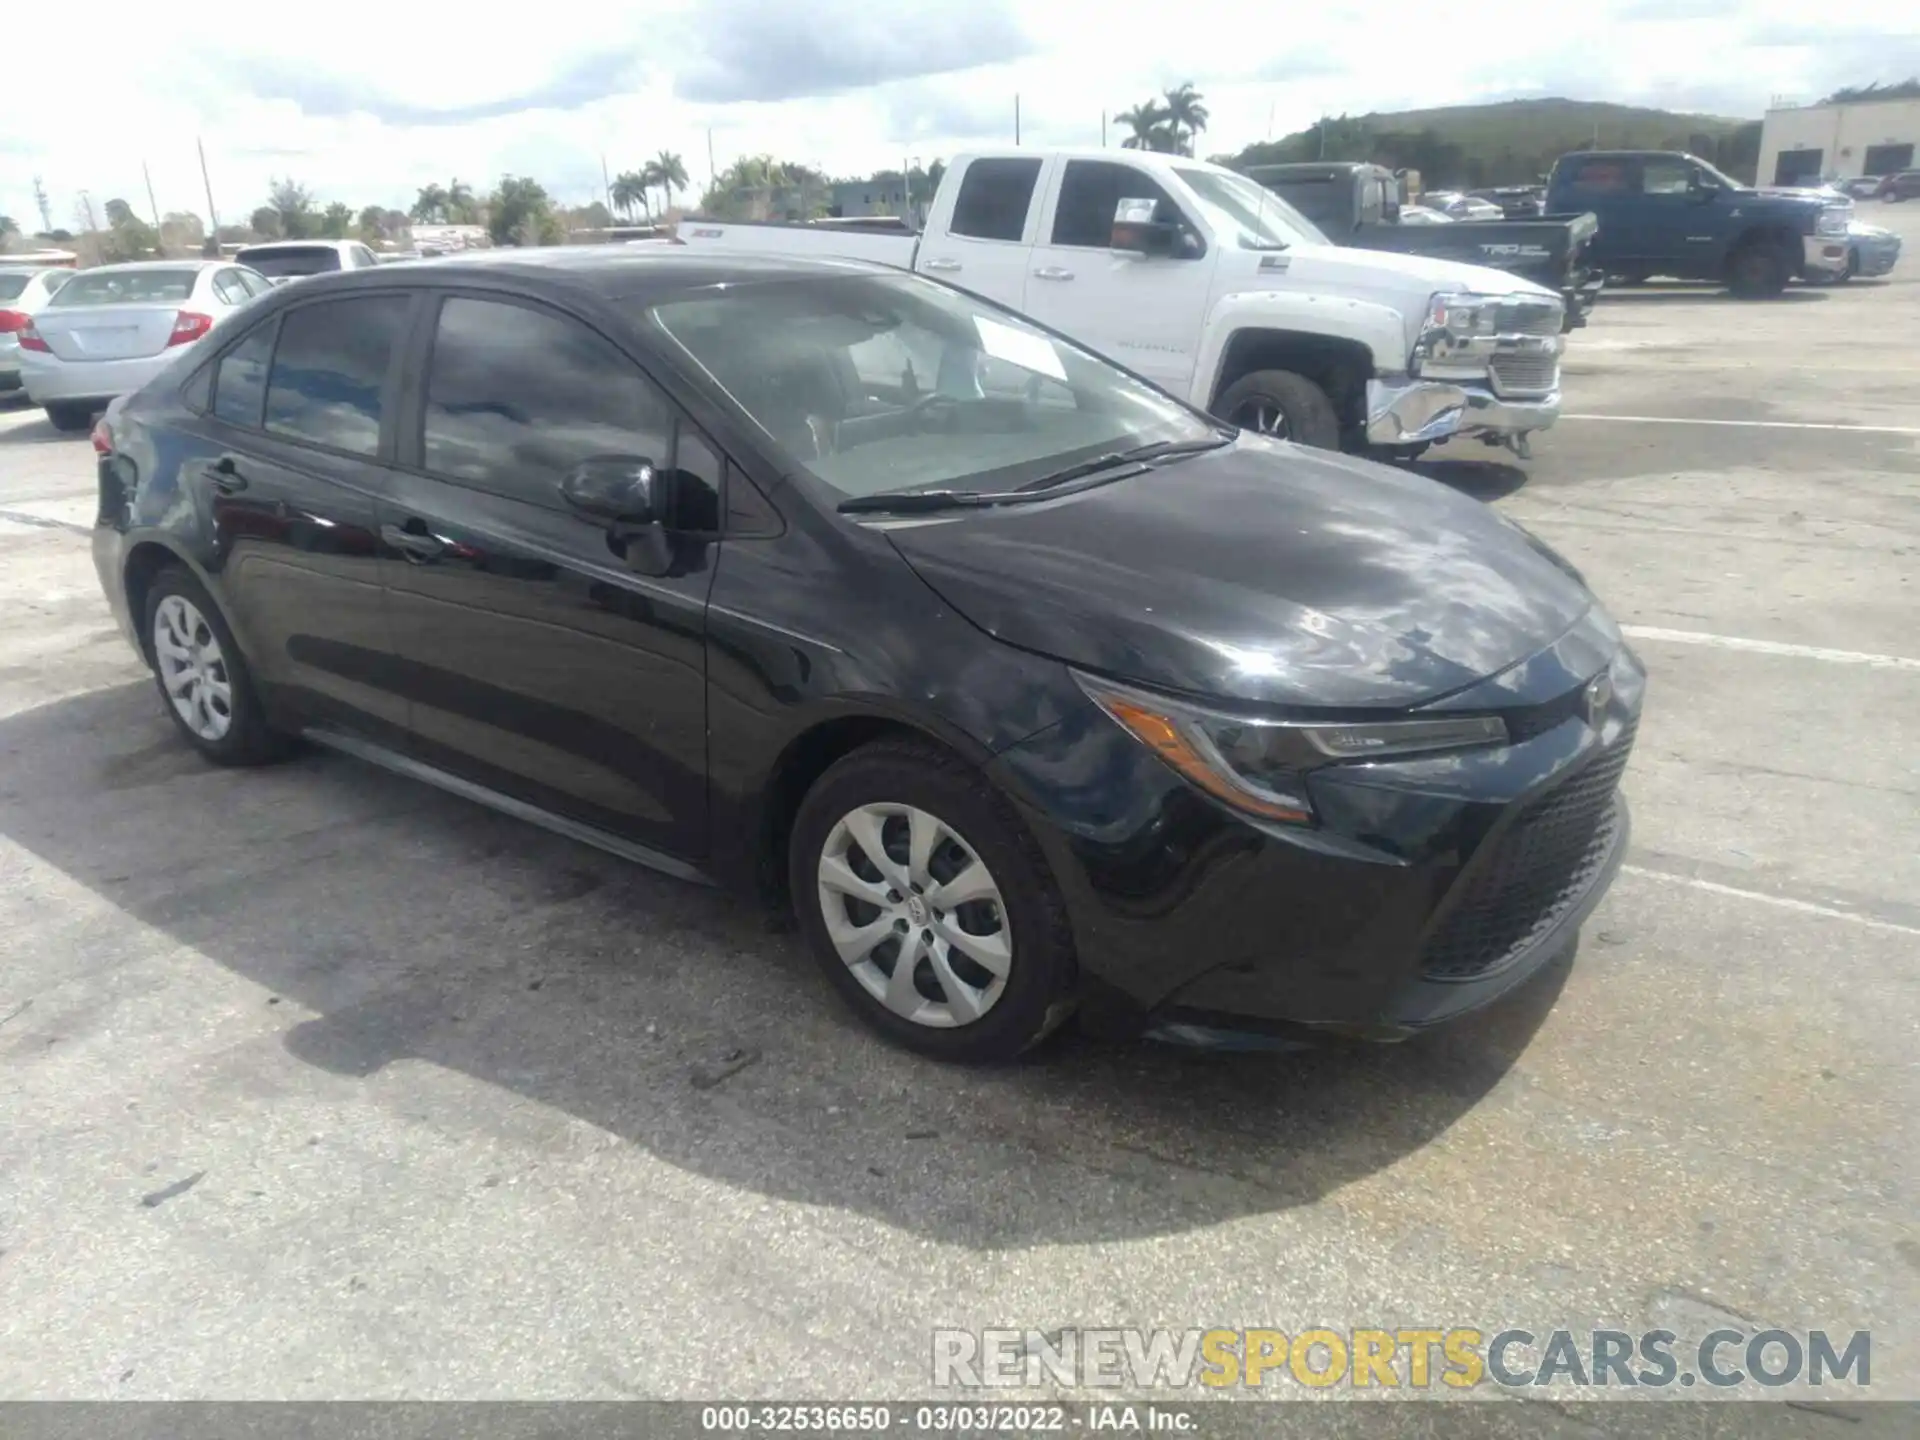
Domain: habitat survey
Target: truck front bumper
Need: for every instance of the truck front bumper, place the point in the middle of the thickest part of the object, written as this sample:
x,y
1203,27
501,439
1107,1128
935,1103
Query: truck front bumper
x,y
1405,411
1823,255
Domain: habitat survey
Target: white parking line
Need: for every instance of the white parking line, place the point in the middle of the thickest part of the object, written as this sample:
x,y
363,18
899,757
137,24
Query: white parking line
x,y
1753,424
1770,647
1805,907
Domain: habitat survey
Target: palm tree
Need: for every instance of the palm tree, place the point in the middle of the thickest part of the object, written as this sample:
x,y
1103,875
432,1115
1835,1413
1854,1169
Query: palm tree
x,y
1148,123
430,205
460,203
629,189
670,174
1186,110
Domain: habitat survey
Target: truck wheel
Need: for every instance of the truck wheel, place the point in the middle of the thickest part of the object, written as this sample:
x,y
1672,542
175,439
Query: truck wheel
x,y
1632,277
1758,271
1283,405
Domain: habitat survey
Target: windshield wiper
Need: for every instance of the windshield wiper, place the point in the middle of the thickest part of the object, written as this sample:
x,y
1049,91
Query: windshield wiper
x,y
913,502
918,502
1139,454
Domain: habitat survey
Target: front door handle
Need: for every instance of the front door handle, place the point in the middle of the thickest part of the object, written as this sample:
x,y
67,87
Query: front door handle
x,y
414,543
940,264
224,475
1053,272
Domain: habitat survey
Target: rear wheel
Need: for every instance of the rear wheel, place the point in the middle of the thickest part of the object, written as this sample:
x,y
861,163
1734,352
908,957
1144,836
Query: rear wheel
x,y
203,678
1632,277
929,906
68,416
1758,271
1283,405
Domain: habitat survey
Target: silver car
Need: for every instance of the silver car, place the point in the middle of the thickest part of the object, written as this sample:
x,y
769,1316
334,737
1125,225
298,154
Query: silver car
x,y
23,290
284,260
108,331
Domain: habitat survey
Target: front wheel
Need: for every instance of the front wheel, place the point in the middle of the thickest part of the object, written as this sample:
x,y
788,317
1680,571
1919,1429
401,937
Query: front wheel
x,y
929,906
1283,405
1758,272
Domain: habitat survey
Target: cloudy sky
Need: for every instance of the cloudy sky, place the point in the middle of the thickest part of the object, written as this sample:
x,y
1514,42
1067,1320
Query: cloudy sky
x,y
365,102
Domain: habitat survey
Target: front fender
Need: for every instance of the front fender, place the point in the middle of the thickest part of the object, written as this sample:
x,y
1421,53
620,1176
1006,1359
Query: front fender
x,y
1378,327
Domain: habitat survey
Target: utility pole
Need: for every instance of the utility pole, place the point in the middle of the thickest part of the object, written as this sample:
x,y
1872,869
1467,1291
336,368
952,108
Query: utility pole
x,y
213,218
46,209
606,183
713,175
1103,129
86,208
1016,119
153,205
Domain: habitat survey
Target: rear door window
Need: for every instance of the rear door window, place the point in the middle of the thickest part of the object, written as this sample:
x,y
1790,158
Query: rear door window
x,y
330,369
994,198
240,379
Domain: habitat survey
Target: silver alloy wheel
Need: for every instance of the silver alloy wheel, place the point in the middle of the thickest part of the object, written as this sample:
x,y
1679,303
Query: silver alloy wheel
x,y
1263,417
916,915
192,668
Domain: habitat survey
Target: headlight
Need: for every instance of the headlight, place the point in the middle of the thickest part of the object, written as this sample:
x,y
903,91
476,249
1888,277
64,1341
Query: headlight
x,y
1456,338
1260,766
1833,221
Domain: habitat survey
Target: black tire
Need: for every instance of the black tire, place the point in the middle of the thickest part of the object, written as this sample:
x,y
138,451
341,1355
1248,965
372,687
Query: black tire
x,y
1758,271
1397,454
1305,410
1039,987
68,416
249,739
1630,277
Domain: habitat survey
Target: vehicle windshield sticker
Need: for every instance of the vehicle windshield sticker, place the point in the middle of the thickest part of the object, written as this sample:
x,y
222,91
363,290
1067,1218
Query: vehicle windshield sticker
x,y
1017,347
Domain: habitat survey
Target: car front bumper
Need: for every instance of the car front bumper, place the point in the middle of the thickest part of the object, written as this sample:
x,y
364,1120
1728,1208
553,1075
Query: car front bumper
x,y
1823,254
1426,889
1407,411
1873,259
49,379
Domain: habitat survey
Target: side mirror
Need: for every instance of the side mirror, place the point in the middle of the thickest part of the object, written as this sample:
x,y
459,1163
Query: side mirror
x,y
618,490
1702,191
1136,232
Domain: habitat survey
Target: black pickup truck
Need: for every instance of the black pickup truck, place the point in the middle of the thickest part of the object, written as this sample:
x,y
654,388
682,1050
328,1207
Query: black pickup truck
x,y
1358,204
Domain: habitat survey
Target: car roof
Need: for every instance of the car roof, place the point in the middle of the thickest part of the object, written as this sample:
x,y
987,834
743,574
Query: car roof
x,y
126,266
606,271
320,244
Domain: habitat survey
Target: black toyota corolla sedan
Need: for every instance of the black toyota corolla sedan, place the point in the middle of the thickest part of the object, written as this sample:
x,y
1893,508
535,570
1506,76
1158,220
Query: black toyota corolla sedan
x,y
1030,689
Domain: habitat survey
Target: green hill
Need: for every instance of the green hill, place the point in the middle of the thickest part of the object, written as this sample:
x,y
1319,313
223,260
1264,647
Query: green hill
x,y
1513,141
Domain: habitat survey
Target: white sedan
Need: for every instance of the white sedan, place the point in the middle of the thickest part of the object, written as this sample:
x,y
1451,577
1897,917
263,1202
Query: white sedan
x,y
107,331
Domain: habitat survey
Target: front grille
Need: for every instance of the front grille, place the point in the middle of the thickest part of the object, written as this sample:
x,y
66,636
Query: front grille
x,y
1522,374
1524,317
1539,868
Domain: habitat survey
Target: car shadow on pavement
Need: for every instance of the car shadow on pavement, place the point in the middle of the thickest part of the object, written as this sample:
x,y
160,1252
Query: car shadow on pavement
x,y
1698,294
37,431
1482,479
415,927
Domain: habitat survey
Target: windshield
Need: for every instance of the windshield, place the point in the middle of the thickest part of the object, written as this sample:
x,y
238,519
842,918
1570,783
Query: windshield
x,y
887,383
279,264
1254,216
1717,176
125,287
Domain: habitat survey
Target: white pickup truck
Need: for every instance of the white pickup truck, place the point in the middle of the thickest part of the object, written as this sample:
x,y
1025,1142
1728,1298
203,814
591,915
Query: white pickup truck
x,y
1204,282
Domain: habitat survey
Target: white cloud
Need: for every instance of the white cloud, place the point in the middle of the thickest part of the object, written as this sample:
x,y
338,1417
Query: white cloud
x,y
368,103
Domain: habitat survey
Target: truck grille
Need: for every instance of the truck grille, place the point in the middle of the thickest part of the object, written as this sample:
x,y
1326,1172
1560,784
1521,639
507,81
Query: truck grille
x,y
1522,317
1523,374
1540,867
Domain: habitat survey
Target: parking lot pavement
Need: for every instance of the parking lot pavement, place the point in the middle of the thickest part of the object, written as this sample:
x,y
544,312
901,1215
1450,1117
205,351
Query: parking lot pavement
x,y
318,1083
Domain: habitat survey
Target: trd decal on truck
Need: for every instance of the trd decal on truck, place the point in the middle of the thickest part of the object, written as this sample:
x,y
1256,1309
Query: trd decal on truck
x,y
1515,252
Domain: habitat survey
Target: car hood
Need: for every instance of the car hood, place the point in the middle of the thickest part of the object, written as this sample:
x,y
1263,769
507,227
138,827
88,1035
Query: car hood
x,y
1261,572
1359,272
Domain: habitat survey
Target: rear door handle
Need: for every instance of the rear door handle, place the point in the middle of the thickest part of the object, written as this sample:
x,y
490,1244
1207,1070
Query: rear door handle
x,y
224,475
1053,272
413,541
940,264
